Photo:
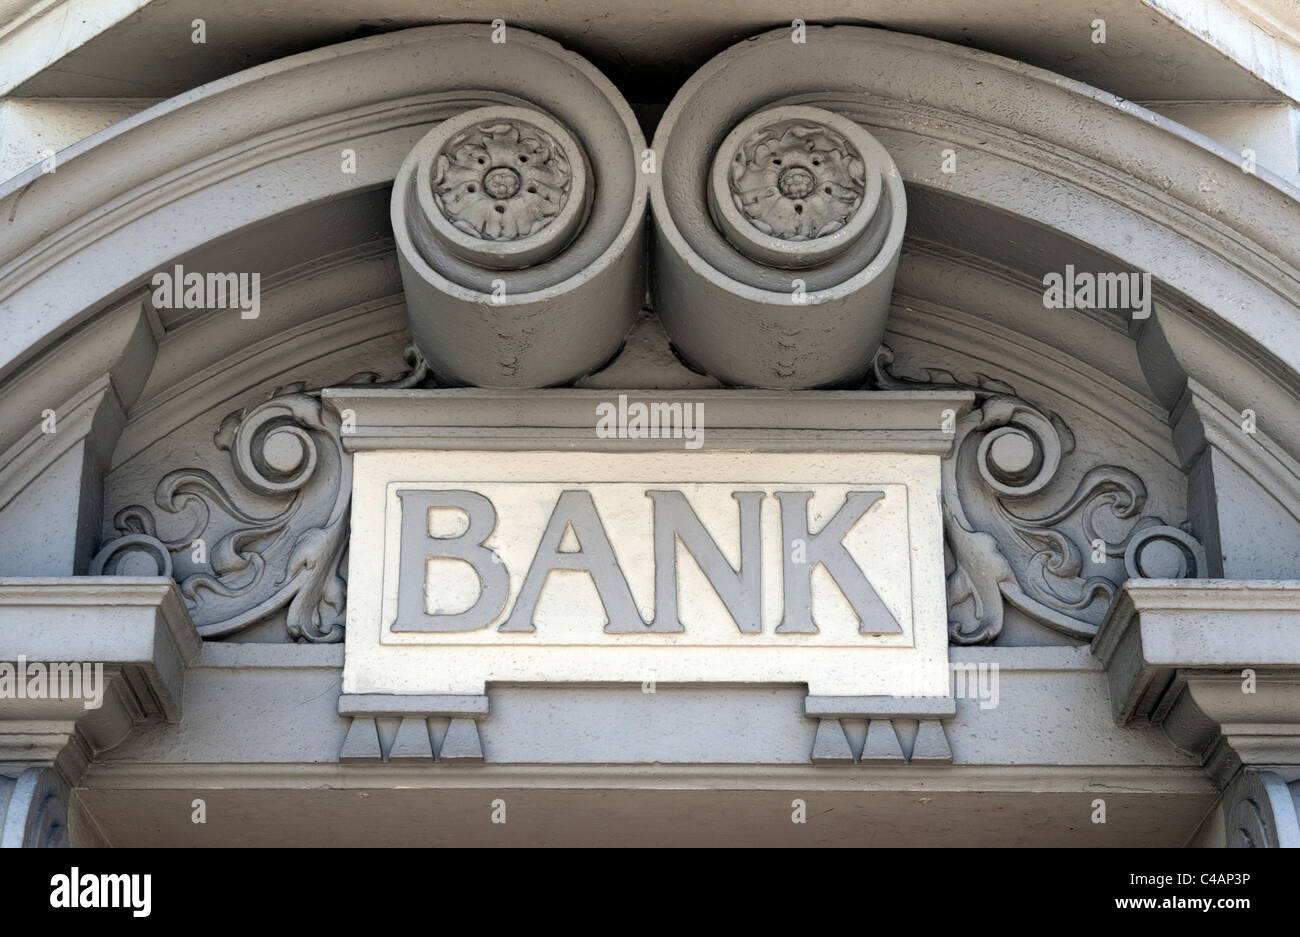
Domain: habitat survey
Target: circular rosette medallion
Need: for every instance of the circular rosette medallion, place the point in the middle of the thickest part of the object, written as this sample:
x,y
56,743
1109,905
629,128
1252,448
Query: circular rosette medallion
x,y
778,223
502,180
789,186
503,187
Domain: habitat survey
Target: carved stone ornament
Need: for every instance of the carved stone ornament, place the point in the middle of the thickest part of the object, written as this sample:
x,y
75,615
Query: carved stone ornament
x,y
499,188
789,287
502,179
522,234
1259,812
1060,567
790,187
237,565
797,180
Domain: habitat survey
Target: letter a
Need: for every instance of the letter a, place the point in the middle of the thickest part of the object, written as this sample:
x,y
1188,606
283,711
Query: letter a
x,y
595,557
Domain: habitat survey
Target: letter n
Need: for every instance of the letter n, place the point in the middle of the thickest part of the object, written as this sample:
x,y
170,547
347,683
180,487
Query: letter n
x,y
739,589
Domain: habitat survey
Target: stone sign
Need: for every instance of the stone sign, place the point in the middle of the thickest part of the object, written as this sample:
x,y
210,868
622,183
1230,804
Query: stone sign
x,y
472,566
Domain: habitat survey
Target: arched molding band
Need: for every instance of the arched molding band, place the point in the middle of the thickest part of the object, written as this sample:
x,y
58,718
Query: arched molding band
x,y
1066,161
266,142
1054,168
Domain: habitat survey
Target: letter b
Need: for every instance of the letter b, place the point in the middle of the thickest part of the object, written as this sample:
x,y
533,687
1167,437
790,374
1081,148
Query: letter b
x,y
419,546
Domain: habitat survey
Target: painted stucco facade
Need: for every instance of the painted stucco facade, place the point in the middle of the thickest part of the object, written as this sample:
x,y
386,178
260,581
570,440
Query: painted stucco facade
x,y
642,423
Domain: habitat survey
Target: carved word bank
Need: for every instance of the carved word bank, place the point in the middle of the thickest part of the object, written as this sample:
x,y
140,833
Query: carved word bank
x,y
575,540
577,573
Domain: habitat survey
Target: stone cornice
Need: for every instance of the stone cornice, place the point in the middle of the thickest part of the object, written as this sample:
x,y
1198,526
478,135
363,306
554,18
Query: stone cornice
x,y
907,421
1215,662
1028,778
137,629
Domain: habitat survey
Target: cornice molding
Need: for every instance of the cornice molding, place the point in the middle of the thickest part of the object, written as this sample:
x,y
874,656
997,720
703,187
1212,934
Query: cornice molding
x,y
754,420
136,629
56,619
1094,779
1215,662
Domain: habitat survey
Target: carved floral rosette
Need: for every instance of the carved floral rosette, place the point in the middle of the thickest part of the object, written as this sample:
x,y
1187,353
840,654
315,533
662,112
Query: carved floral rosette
x,y
504,180
1060,566
237,564
796,180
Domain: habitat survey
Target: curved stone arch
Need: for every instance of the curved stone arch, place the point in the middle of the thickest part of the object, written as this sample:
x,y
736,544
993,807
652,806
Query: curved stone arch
x,y
960,308
1112,155
243,151
348,315
1118,152
1051,172
1049,169
255,159
1051,166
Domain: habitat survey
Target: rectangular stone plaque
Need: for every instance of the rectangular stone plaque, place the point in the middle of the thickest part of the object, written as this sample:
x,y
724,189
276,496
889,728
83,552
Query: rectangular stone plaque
x,y
610,563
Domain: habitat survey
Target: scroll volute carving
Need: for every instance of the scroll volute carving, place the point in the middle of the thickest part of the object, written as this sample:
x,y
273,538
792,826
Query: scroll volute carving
x,y
235,561
1058,562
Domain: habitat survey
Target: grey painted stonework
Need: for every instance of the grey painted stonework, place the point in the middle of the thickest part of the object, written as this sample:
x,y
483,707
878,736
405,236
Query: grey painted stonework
x,y
511,234
795,270
193,499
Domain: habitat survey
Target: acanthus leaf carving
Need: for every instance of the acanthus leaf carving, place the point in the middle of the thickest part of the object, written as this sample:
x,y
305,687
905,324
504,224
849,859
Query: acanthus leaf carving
x,y
1060,567
234,563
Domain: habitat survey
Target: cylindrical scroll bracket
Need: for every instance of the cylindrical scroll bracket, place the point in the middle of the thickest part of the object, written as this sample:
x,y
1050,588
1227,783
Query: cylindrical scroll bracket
x,y
778,225
519,225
